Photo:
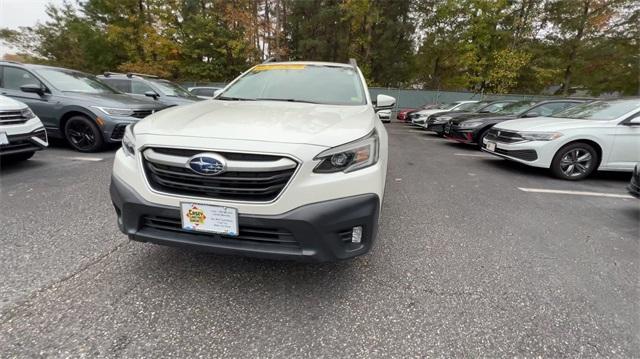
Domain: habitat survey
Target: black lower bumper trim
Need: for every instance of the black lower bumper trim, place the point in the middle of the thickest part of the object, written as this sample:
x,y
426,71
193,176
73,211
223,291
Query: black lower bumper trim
x,y
316,232
23,143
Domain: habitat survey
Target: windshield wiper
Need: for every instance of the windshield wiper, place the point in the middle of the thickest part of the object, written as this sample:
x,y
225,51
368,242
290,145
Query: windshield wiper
x,y
284,99
226,98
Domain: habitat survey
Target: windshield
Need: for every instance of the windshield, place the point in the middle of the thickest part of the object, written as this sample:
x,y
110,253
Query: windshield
x,y
73,81
333,85
494,107
171,89
473,107
469,106
516,107
599,110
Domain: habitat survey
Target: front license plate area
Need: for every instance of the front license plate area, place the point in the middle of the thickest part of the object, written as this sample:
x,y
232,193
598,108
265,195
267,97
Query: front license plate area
x,y
4,140
211,219
491,146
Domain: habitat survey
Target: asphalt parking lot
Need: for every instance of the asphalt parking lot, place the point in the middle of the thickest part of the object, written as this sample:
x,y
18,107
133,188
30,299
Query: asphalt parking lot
x,y
472,259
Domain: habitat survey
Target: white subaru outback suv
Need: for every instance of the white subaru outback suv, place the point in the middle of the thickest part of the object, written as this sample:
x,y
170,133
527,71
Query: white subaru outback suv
x,y
288,162
21,132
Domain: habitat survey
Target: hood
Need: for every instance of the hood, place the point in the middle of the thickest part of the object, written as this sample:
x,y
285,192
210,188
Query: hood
x,y
8,104
550,124
270,121
481,117
178,101
113,100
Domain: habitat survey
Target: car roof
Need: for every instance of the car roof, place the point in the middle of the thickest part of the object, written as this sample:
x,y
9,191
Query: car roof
x,y
36,66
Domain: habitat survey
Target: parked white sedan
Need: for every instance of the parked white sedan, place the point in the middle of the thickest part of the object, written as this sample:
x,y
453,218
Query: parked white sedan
x,y
420,117
602,135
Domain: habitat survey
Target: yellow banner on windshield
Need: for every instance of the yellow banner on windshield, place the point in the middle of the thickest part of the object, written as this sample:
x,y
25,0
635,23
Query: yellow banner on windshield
x,y
279,67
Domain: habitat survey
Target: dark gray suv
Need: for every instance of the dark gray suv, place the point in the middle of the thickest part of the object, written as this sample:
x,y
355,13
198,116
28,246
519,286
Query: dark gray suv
x,y
74,105
163,91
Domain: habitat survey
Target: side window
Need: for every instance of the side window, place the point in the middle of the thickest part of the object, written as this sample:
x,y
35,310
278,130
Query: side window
x,y
13,78
119,84
139,87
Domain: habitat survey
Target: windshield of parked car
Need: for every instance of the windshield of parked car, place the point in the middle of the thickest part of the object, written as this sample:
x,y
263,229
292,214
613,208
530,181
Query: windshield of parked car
x,y
473,106
468,106
323,84
73,81
516,107
493,107
171,89
600,110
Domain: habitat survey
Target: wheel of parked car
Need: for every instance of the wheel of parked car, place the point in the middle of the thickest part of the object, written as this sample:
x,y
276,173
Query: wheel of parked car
x,y
481,136
83,134
574,161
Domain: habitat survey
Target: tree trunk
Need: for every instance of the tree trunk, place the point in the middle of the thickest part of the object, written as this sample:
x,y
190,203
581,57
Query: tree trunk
x,y
573,52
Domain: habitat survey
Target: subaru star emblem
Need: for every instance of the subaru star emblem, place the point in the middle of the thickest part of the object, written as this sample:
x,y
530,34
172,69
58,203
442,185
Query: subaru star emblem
x,y
208,164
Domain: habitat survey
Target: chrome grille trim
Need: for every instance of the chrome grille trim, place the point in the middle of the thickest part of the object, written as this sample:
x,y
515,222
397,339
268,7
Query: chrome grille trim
x,y
232,166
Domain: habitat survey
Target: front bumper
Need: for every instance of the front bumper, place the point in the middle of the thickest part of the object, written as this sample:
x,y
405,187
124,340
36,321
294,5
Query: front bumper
x,y
315,232
532,153
456,134
25,142
435,127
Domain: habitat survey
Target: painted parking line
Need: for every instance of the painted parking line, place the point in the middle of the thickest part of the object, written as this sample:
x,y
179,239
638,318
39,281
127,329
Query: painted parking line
x,y
575,193
472,155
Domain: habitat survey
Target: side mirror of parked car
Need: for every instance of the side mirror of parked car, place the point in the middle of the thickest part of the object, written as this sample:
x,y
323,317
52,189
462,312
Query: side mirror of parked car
x,y
384,102
531,114
151,94
32,88
216,93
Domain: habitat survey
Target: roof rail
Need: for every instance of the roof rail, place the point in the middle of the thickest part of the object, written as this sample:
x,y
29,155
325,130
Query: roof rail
x,y
131,74
108,73
353,63
271,59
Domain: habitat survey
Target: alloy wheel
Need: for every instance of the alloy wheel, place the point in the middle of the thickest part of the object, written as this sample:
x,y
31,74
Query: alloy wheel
x,y
576,162
81,135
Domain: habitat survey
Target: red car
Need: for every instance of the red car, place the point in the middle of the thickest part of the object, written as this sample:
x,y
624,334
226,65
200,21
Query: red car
x,y
402,114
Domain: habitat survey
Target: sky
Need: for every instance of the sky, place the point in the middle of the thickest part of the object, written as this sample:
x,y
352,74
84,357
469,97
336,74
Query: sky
x,y
16,13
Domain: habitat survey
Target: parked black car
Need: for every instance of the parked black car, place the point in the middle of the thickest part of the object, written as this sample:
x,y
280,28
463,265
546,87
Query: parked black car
x,y
472,128
163,91
634,185
72,104
437,121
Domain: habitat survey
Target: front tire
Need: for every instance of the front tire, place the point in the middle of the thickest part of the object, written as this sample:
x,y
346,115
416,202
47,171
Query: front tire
x,y
83,135
575,161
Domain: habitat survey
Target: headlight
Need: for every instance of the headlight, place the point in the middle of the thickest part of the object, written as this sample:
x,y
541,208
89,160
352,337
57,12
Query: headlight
x,y
27,113
469,124
540,136
350,156
121,112
129,141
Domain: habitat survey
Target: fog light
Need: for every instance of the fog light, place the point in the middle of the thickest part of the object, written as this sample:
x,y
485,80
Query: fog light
x,y
356,234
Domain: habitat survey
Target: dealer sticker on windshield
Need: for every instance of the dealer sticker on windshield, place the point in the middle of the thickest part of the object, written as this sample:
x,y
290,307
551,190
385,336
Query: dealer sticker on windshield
x,y
279,67
212,219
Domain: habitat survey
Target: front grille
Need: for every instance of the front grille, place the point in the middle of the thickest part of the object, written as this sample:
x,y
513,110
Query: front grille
x,y
503,136
12,117
141,113
276,236
118,132
251,184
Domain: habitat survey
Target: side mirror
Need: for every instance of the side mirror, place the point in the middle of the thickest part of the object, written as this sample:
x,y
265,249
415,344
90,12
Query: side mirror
x,y
151,94
32,88
531,114
216,93
384,102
